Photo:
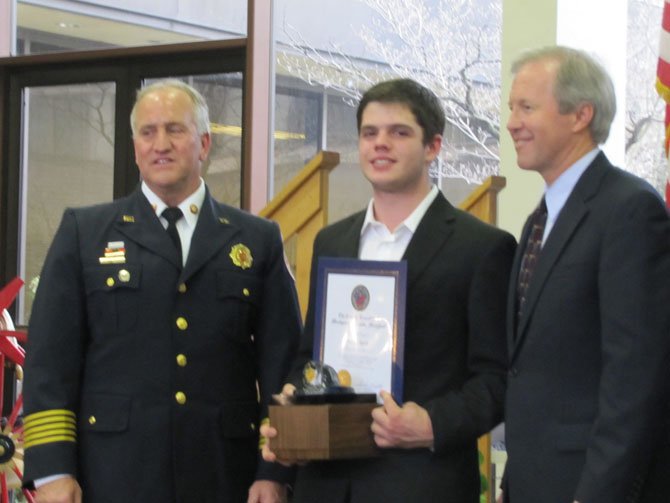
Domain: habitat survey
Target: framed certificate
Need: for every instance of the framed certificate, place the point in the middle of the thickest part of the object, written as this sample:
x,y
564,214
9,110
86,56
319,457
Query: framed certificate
x,y
360,321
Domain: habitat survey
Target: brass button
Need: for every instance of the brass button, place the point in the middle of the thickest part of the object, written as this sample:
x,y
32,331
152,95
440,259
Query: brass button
x,y
110,282
182,288
252,426
124,276
246,292
181,360
193,208
91,420
182,324
180,397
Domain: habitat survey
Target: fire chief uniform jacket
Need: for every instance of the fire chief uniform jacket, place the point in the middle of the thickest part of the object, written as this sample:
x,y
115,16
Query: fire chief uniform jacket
x,y
140,375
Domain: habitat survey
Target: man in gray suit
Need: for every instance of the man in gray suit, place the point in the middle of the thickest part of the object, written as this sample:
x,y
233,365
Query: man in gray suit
x,y
589,301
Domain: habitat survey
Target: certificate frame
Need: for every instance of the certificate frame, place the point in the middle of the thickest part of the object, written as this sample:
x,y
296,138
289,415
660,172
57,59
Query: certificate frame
x,y
331,270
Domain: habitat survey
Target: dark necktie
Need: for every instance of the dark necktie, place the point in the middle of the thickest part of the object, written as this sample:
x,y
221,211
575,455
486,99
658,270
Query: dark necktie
x,y
538,220
172,215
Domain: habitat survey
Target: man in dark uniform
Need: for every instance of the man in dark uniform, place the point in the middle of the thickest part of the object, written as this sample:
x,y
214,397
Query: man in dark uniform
x,y
149,350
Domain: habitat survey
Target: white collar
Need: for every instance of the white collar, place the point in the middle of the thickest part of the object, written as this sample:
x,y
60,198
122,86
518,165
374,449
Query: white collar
x,y
412,221
190,206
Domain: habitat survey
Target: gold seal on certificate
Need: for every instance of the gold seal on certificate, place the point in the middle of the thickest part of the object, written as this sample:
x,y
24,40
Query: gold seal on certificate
x,y
360,297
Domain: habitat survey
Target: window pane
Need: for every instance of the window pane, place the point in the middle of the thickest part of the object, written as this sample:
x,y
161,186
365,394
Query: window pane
x,y
99,24
349,191
645,131
367,41
68,159
297,132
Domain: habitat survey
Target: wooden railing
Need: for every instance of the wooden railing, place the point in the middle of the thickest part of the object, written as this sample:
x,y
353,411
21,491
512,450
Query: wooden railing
x,y
301,209
483,203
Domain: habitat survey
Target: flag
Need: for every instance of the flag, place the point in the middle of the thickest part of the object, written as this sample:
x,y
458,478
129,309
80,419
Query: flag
x,y
663,84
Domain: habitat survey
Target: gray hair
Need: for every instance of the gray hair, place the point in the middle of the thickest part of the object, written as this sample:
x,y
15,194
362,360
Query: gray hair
x,y
579,79
199,105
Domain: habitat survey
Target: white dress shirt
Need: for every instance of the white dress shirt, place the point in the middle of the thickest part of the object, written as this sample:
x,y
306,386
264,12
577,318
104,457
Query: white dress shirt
x,y
190,207
379,243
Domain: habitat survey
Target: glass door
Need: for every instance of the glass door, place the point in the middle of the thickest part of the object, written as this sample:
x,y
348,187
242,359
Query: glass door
x,y
67,160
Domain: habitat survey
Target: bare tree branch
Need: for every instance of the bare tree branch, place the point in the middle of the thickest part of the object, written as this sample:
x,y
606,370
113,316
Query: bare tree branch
x,y
449,49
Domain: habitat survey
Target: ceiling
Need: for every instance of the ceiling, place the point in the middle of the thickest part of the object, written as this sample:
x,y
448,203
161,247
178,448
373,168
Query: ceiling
x,y
60,24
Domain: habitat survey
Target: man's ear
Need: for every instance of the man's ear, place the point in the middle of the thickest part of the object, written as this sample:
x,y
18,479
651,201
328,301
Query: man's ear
x,y
205,145
433,148
583,116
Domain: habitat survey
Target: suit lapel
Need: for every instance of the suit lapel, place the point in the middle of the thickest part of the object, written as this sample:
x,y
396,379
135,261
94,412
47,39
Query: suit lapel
x,y
574,212
422,247
138,222
434,229
345,242
349,243
211,233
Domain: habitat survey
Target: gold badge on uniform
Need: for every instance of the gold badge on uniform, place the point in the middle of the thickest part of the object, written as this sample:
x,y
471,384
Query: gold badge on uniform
x,y
241,256
115,253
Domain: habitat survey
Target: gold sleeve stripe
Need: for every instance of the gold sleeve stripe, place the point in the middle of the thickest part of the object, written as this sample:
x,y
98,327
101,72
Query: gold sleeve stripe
x,y
49,413
49,427
51,433
40,423
49,440
48,434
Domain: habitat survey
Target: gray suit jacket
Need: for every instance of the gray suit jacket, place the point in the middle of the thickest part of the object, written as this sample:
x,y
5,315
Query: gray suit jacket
x,y
589,358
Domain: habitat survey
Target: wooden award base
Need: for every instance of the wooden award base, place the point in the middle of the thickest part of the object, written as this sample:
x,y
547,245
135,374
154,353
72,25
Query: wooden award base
x,y
325,431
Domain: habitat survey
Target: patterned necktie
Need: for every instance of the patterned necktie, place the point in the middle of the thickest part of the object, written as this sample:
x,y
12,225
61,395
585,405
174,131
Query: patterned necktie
x,y
531,254
172,215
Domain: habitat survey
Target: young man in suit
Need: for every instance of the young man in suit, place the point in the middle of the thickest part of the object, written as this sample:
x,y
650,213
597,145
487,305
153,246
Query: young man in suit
x,y
146,346
454,354
589,332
